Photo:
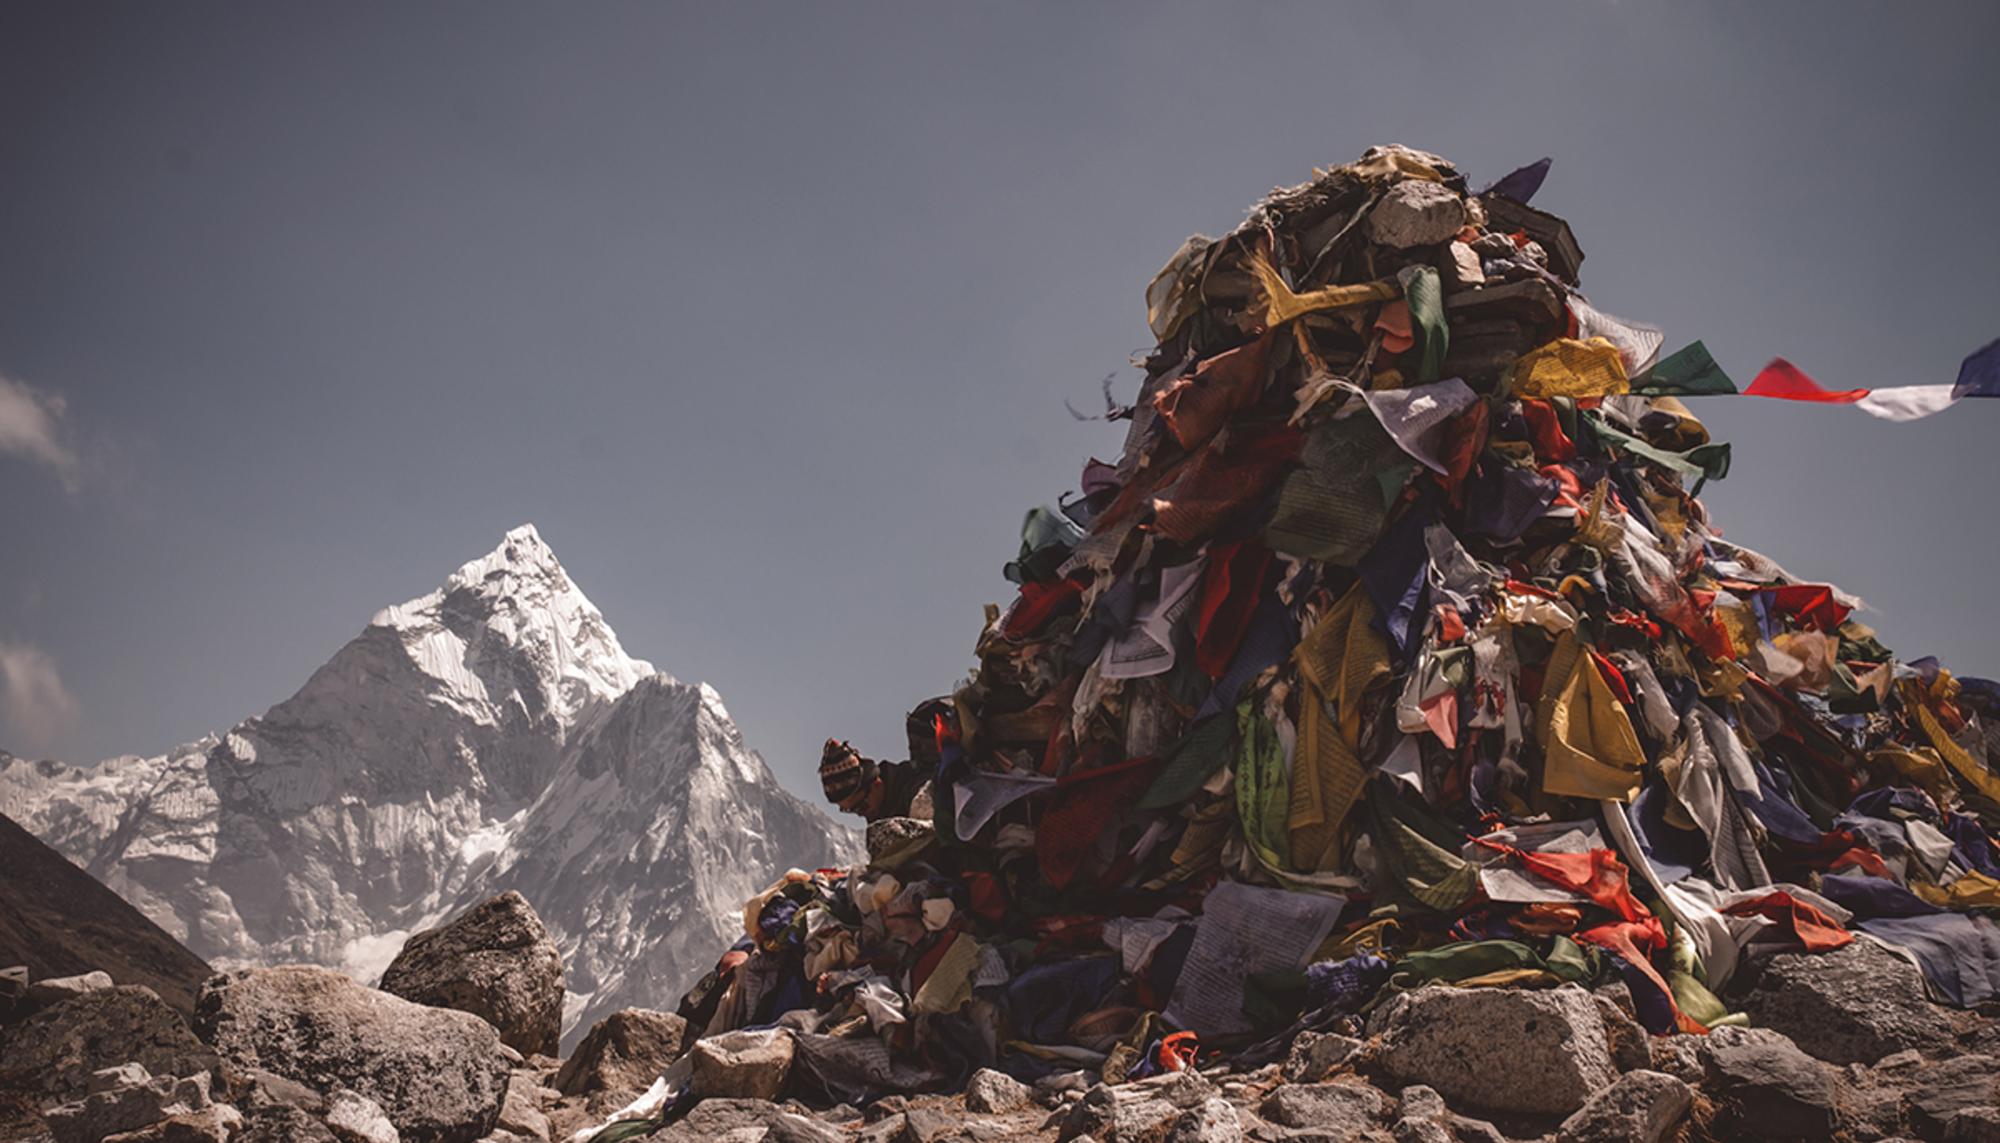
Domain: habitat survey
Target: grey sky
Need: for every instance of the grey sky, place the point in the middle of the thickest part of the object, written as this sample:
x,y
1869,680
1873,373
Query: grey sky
x,y
765,314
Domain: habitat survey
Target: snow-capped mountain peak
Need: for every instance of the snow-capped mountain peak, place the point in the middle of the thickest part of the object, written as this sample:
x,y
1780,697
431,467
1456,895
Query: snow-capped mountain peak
x,y
490,735
508,617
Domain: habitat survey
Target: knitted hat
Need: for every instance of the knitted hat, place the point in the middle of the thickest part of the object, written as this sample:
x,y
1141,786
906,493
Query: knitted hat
x,y
843,772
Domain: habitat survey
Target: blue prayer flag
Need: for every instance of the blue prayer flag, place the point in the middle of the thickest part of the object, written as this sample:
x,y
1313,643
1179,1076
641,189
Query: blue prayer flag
x,y
1979,374
1521,185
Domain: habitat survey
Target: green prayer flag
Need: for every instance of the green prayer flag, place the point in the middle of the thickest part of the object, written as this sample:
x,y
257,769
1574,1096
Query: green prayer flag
x,y
1193,761
1263,791
1424,293
1708,462
1687,372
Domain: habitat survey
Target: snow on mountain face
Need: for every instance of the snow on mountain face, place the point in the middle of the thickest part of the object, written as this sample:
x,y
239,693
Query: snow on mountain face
x,y
491,735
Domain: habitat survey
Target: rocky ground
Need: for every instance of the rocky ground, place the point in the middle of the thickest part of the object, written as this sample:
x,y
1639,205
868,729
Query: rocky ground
x,y
1841,1046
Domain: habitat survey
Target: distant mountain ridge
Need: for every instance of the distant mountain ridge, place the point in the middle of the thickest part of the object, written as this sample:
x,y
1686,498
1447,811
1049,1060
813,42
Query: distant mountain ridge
x,y
57,920
490,735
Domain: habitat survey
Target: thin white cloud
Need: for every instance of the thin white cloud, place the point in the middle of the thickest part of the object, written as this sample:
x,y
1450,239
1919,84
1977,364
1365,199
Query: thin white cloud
x,y
32,426
34,704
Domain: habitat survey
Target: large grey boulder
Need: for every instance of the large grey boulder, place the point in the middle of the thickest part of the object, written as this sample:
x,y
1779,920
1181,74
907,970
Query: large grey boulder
x,y
54,1053
1642,1107
1768,1087
1499,1049
1853,1005
438,1074
496,961
623,1053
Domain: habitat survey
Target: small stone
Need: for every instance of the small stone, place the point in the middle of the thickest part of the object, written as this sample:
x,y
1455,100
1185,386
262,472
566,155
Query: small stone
x,y
923,1124
742,1065
1947,1088
1498,1049
1215,1121
711,1119
623,1053
1973,1125
355,1118
995,1093
124,1075
1134,1111
257,1088
1416,212
1418,1101
1462,267
1631,1047
57,989
217,1123
278,1123
1335,1106
125,1099
1678,1055
521,1112
1315,1054
883,1130
1770,1086
1423,1116
1641,1107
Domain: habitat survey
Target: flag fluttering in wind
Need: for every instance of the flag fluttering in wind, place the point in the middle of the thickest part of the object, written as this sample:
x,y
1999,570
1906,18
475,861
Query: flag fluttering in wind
x,y
1978,376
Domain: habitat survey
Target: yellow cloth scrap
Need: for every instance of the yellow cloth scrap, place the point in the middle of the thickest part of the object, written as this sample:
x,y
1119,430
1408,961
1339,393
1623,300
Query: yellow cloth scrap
x,y
1510,978
1372,937
1282,304
1570,368
1969,768
1339,660
1589,749
1973,890
1922,767
1393,162
1688,431
1740,620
